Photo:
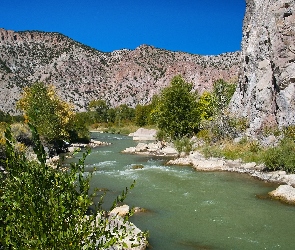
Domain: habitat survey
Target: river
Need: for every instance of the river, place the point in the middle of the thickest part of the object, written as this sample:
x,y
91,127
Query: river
x,y
187,209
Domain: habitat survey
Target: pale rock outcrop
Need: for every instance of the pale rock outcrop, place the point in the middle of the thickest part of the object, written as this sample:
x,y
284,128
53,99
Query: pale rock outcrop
x,y
285,193
266,90
81,74
153,148
143,134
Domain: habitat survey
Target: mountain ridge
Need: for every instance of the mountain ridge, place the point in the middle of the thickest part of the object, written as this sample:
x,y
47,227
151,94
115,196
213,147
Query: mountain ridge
x,y
81,73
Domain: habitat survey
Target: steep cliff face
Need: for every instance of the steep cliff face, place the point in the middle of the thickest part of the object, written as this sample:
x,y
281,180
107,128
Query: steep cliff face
x,y
82,74
266,91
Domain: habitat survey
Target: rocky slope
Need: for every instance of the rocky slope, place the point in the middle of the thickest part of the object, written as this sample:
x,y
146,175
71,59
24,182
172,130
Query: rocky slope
x,y
266,91
81,73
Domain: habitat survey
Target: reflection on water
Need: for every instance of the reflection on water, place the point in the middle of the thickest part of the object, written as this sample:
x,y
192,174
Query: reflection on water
x,y
189,209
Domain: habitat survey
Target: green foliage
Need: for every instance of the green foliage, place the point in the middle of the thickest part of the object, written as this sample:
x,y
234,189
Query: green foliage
x,y
206,106
99,108
247,150
49,114
78,130
223,93
281,157
5,117
183,144
22,133
124,114
54,118
289,132
142,115
222,127
45,208
175,113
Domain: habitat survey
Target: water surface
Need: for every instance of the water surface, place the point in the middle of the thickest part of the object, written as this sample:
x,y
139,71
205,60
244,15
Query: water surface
x,y
189,209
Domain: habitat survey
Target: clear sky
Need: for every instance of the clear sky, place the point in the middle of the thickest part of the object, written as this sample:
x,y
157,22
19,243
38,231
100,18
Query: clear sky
x,y
206,27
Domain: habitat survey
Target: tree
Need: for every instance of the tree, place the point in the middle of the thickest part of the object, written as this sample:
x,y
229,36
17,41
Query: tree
x,y
100,108
53,117
206,106
142,114
45,208
175,114
223,93
124,114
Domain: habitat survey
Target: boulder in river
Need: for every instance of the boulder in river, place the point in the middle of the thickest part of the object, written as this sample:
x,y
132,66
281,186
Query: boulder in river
x,y
143,134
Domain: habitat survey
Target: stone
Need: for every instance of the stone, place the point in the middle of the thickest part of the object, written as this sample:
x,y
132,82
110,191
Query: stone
x,y
121,211
143,134
285,193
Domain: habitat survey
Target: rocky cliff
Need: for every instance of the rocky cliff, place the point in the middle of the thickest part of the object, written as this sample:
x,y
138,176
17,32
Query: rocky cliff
x,y
81,73
266,91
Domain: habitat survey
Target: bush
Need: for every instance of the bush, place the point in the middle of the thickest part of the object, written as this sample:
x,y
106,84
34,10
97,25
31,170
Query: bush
x,y
281,157
183,144
222,127
176,113
22,133
45,208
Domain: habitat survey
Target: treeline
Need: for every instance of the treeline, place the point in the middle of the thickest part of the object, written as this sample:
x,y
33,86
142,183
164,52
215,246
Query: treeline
x,y
178,111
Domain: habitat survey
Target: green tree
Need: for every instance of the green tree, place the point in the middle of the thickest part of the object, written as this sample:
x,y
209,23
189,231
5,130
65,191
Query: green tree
x,y
175,114
124,114
223,93
206,106
54,118
100,108
142,114
45,208
46,111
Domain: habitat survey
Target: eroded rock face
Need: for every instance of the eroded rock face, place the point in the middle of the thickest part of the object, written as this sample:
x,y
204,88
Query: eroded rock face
x,y
266,92
81,74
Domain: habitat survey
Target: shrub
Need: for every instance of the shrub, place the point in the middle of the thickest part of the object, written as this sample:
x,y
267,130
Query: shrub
x,y
183,144
22,133
223,127
281,157
45,208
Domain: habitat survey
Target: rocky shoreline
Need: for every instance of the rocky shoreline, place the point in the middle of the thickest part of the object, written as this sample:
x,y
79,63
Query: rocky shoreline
x,y
285,192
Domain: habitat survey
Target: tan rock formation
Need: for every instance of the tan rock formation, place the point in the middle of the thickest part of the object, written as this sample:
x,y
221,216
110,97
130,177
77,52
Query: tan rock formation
x,y
266,89
81,73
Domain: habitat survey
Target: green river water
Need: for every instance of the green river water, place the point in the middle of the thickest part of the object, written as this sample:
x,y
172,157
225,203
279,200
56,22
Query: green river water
x,y
187,209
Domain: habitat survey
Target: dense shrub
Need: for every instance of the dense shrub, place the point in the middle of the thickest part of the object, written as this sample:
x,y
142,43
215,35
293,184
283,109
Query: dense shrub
x,y
281,157
175,114
183,144
22,133
45,208
222,127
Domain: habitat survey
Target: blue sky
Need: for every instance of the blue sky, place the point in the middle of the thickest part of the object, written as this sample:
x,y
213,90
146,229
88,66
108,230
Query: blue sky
x,y
195,26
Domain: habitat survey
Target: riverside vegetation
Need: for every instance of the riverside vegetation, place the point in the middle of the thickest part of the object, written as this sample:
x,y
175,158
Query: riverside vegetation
x,y
191,121
52,208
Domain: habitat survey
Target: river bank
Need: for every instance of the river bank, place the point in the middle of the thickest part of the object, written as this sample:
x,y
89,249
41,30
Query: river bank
x,y
191,209
285,192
